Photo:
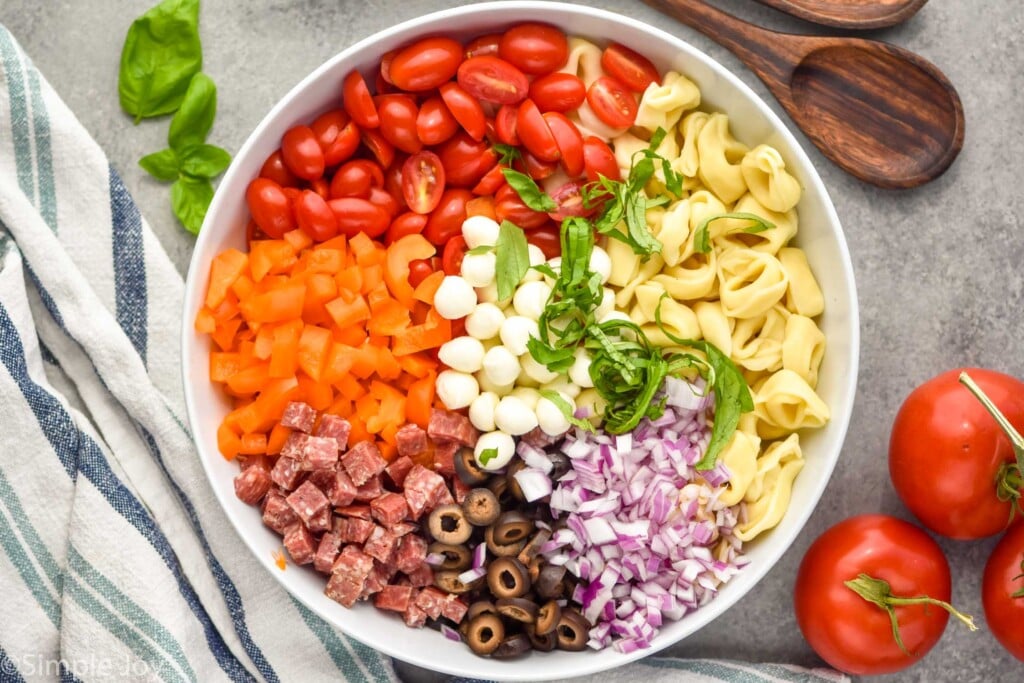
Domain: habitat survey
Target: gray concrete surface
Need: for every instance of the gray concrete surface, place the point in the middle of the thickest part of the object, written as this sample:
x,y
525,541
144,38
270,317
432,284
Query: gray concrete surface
x,y
938,268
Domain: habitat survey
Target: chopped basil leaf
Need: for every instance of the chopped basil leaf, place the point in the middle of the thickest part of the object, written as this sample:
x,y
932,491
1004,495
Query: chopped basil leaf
x,y
513,258
506,153
482,249
487,455
566,408
702,236
528,191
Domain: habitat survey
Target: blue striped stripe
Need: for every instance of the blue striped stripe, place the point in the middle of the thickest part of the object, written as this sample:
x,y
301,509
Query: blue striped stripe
x,y
19,113
332,643
44,157
129,264
33,581
28,531
8,668
79,453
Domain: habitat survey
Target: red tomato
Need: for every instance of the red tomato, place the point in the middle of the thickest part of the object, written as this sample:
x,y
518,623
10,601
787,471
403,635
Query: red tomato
x,y
357,215
950,462
393,181
454,252
854,634
423,182
425,64
570,142
493,80
274,169
612,102
466,160
1002,591
509,207
270,207
483,46
535,48
321,187
558,92
534,167
569,198
534,132
302,153
491,181
599,160
385,68
382,150
358,102
382,198
466,110
435,123
314,217
505,125
548,238
337,134
408,223
631,69
419,270
355,178
398,115
446,220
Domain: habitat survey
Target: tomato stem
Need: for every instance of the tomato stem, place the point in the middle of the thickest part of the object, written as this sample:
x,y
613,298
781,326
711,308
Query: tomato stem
x,y
879,592
1010,478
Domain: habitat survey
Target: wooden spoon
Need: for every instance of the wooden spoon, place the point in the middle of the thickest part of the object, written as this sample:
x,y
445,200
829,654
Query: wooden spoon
x,y
881,113
852,14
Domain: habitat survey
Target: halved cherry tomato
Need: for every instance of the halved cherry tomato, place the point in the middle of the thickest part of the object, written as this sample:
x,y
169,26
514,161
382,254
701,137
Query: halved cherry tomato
x,y
337,134
274,169
423,182
493,80
355,178
570,141
454,252
425,64
270,207
569,198
408,223
612,102
357,215
321,187
315,217
534,167
385,68
483,46
393,180
505,125
435,123
382,198
358,102
379,146
398,121
548,238
599,160
631,69
302,153
558,92
446,220
419,270
534,132
535,48
491,181
509,207
466,160
466,109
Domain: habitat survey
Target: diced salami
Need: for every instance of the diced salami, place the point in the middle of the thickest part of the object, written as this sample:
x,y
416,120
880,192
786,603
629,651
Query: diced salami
x,y
394,598
377,579
334,427
454,608
353,560
252,483
353,529
292,447
398,468
323,480
421,576
344,588
414,617
430,601
370,490
308,501
403,528
423,490
319,453
460,489
299,416
389,508
299,543
444,458
411,553
286,473
448,426
321,521
358,511
277,514
362,462
343,491
380,545
442,496
326,553
411,440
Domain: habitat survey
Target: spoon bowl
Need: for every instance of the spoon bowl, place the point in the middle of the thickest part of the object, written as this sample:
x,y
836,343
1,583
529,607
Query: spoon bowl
x,y
851,14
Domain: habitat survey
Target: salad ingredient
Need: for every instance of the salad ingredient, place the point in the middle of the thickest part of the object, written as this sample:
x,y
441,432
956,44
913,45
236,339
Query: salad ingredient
x,y
535,134
448,524
426,64
358,101
955,458
612,102
872,595
398,114
630,68
535,48
481,507
338,137
423,182
302,153
434,123
491,79
558,92
1002,591
466,109
494,450
485,633
455,298
507,577
456,389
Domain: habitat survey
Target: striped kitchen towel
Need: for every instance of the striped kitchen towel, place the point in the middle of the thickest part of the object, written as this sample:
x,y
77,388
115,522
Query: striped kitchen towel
x,y
116,562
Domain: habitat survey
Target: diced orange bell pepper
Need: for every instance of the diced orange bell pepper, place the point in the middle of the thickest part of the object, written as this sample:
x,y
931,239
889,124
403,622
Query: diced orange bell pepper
x,y
284,354
224,270
419,400
314,343
276,305
228,443
275,441
205,322
348,309
298,239
270,256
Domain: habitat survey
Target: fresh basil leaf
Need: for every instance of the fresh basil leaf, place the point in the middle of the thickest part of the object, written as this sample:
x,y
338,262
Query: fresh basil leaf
x,y
657,138
555,360
190,198
487,455
702,236
528,191
512,258
545,269
162,165
193,121
160,56
482,249
506,153
566,409
205,161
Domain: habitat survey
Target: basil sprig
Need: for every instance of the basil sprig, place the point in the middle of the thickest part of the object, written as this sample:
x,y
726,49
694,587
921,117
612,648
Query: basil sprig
x,y
702,235
529,191
512,259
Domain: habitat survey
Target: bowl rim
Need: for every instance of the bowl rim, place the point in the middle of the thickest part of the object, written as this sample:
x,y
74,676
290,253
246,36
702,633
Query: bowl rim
x,y
840,423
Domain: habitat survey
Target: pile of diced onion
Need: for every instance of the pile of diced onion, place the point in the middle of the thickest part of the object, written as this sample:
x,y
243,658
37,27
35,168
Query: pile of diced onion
x,y
642,522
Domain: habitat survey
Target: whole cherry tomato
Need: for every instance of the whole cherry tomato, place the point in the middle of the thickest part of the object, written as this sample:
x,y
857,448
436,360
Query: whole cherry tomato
x,y
535,48
337,134
454,252
435,123
321,187
382,198
446,220
408,223
1002,591
558,92
534,132
355,178
382,150
423,182
425,64
483,46
509,207
631,69
466,110
493,80
274,169
505,125
612,102
570,142
398,115
845,588
357,215
599,160
302,153
466,160
950,461
270,207
315,217
419,270
358,102
548,238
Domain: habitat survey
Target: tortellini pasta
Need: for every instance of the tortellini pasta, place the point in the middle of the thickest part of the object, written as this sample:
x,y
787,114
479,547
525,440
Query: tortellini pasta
x,y
768,180
740,457
785,402
804,295
584,60
720,157
751,282
662,104
690,127
732,232
769,493
757,343
802,348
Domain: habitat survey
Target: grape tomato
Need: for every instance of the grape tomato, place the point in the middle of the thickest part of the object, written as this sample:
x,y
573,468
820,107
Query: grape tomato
x,y
398,115
382,150
355,215
451,257
446,220
599,160
466,160
426,64
569,140
355,178
630,68
274,169
314,216
434,123
547,238
408,223
337,134
558,92
358,102
466,109
534,132
302,153
534,48
270,207
493,80
505,125
612,102
483,46
423,182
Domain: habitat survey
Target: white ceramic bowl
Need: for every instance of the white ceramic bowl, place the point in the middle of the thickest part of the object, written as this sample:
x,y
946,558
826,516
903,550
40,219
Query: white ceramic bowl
x,y
752,122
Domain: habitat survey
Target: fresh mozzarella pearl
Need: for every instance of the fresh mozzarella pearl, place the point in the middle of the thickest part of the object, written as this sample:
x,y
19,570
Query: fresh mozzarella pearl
x,y
499,441
481,411
601,263
480,231
487,385
456,389
455,298
485,321
488,293
513,416
501,366
563,385
478,269
528,395
516,331
464,354
580,370
592,402
536,371
550,418
531,298
607,304
536,258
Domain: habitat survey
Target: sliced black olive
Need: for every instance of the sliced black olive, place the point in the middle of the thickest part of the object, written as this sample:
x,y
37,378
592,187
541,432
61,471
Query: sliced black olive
x,y
550,583
511,527
510,476
560,465
449,581
501,549
448,524
541,642
536,564
480,607
507,578
518,609
467,468
481,507
485,634
532,549
573,630
548,616
513,646
455,556
499,487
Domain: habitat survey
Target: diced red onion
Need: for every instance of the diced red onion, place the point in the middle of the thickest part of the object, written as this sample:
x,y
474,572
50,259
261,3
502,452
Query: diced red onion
x,y
479,555
533,483
474,574
450,633
435,559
